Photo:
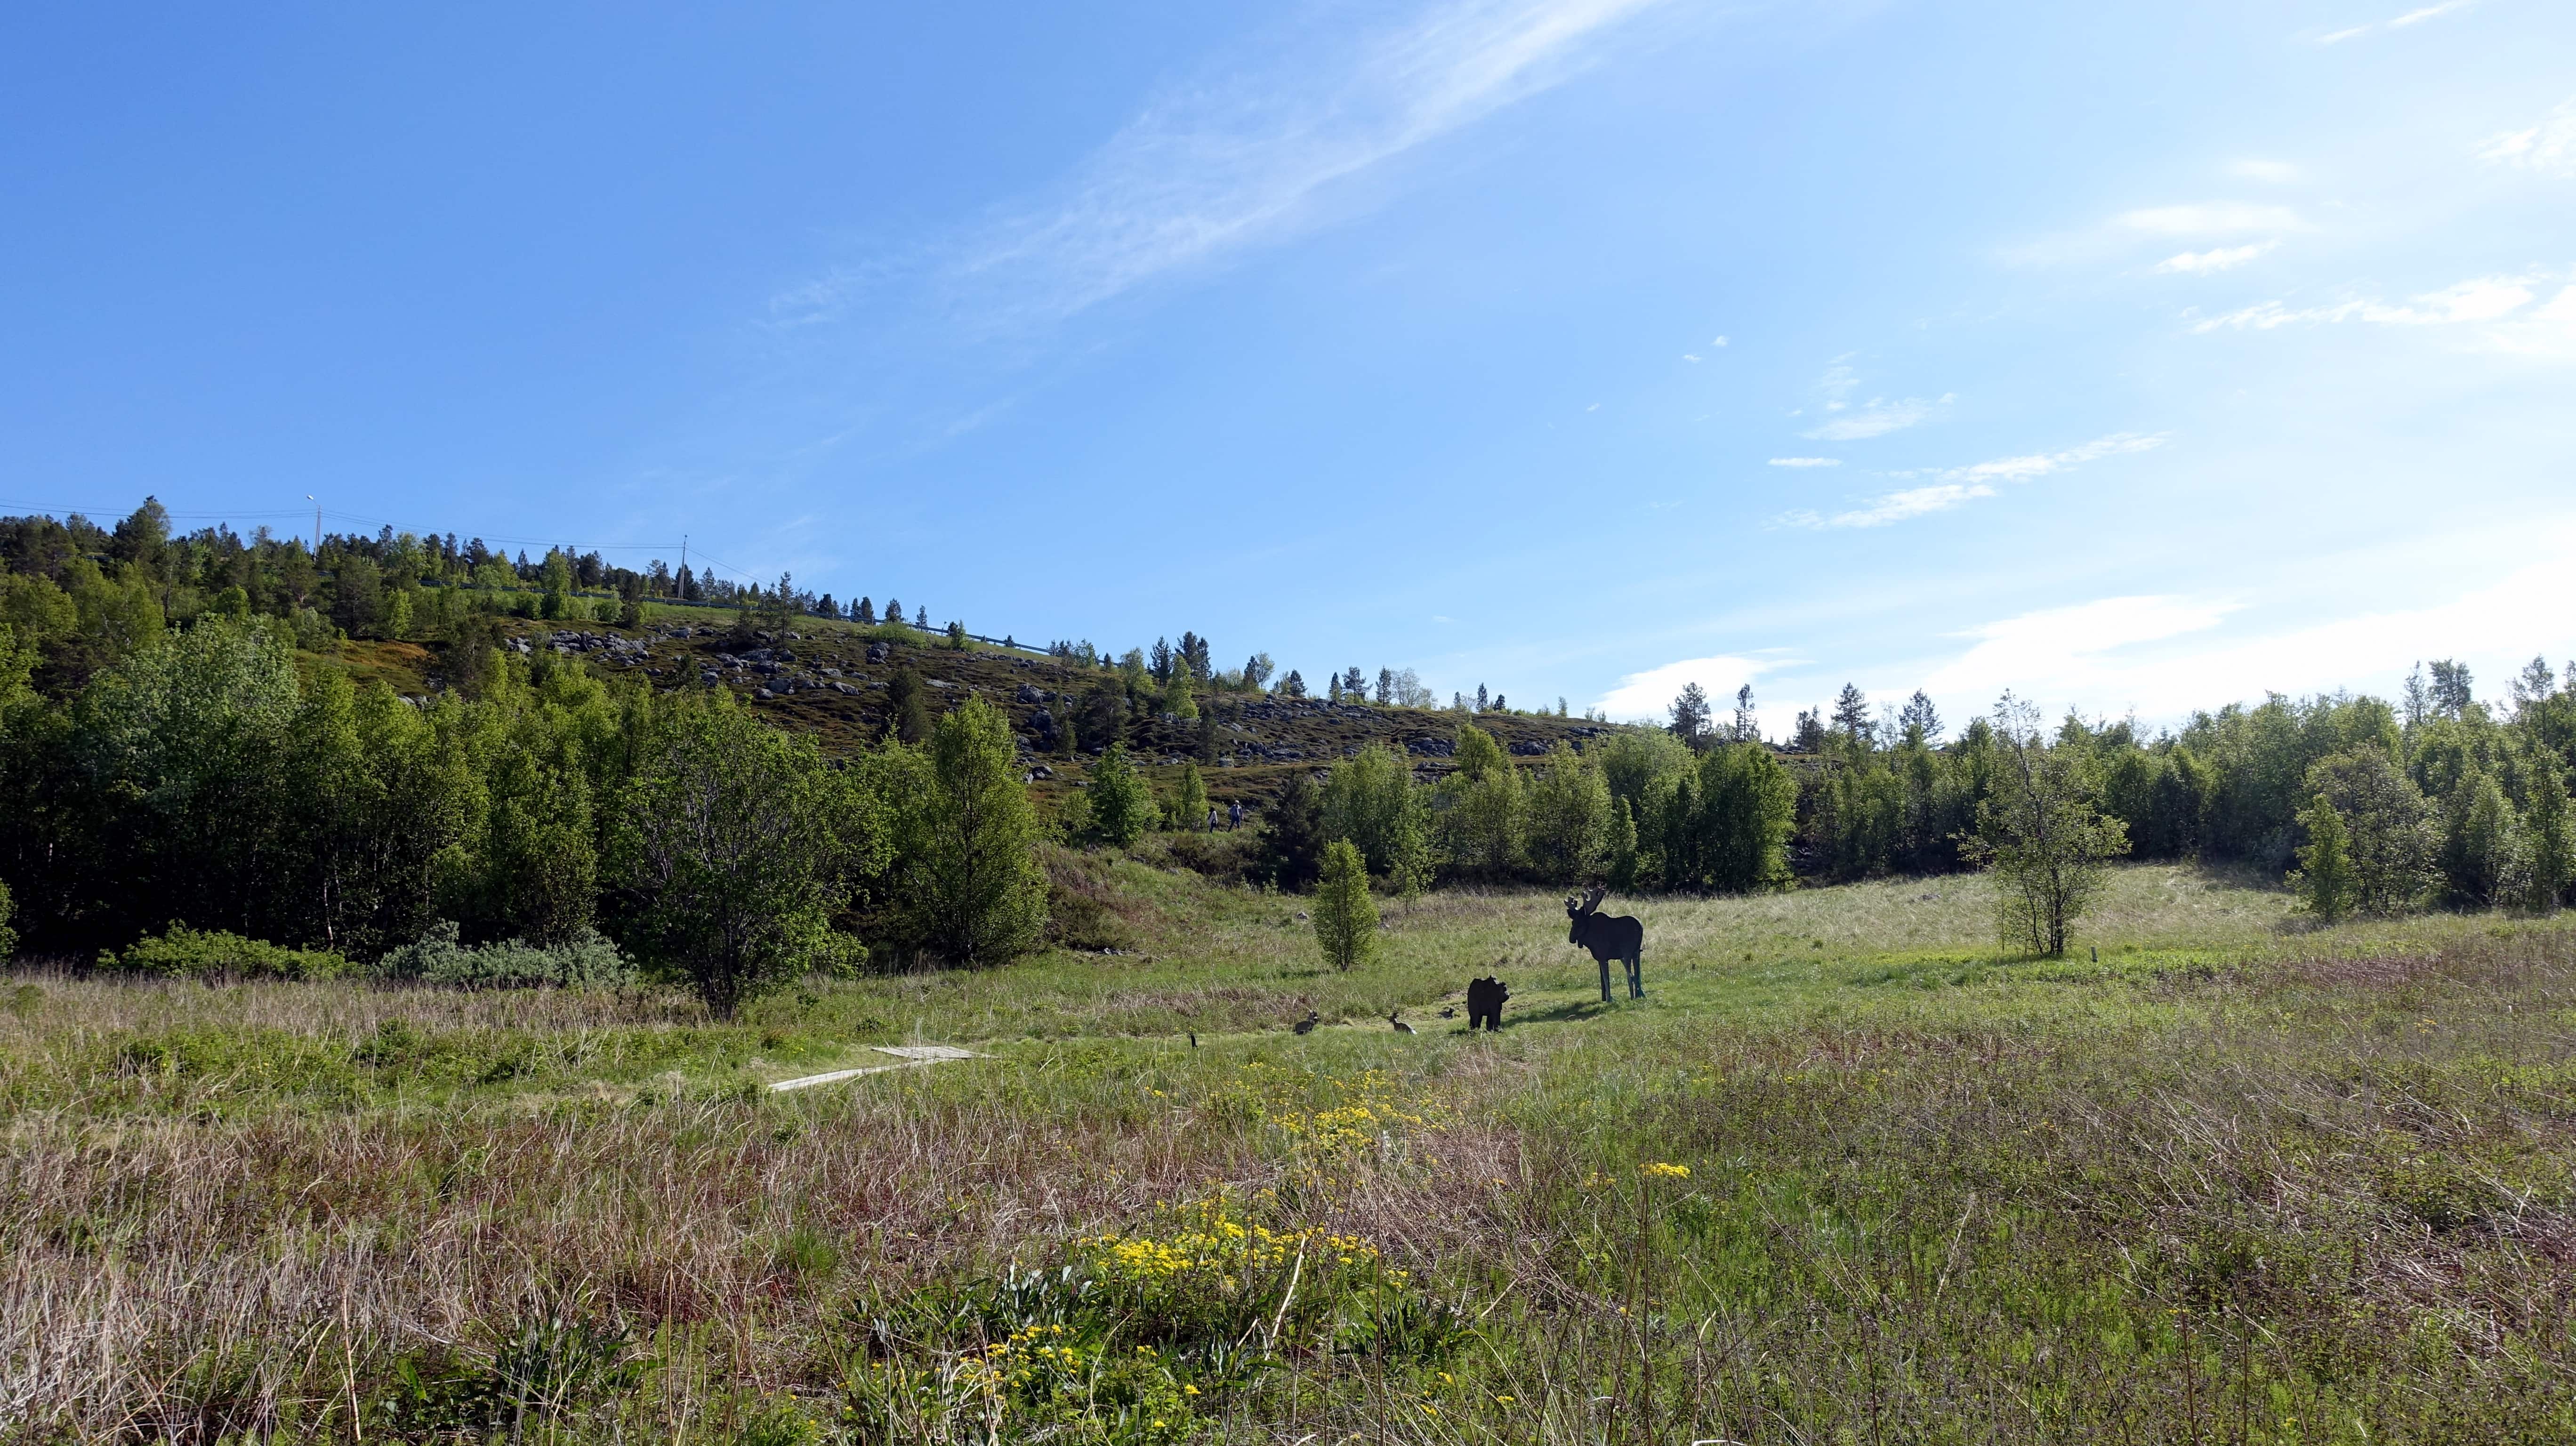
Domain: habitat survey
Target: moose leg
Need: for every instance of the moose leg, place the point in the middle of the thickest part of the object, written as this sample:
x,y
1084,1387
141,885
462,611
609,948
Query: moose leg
x,y
1636,977
1605,978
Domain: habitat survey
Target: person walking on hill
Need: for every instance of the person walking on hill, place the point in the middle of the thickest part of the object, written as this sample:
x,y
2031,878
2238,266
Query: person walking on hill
x,y
1234,815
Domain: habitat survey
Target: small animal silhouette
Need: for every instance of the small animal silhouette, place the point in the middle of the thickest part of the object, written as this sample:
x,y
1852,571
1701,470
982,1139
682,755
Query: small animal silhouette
x,y
1448,1011
1194,1039
1608,936
1307,1024
1400,1026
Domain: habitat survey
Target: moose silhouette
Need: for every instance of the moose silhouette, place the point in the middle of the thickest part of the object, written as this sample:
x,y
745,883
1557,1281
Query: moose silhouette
x,y
1608,936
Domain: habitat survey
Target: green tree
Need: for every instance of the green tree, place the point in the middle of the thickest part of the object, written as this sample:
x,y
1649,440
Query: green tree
x,y
1569,818
973,891
908,713
1122,806
1480,808
2046,846
1368,799
2551,841
2325,881
1345,916
1620,849
1748,807
1291,844
1190,800
2482,854
727,854
1179,695
2392,833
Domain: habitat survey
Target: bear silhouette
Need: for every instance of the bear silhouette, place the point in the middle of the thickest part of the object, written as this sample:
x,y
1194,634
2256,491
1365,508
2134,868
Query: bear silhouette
x,y
1485,1003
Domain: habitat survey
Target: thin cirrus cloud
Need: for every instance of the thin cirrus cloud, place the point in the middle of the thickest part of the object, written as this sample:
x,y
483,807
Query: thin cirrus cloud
x,y
2549,147
1957,486
1240,160
2479,299
2394,22
2218,258
1806,461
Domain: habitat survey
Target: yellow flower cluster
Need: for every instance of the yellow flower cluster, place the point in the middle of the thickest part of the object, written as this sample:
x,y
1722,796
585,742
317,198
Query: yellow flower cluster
x,y
1658,1170
1211,1235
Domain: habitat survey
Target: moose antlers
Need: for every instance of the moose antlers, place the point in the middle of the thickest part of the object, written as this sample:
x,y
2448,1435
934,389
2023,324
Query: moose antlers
x,y
1590,901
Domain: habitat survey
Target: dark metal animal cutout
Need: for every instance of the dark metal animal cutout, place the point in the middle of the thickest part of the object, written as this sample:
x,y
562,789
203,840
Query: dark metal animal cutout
x,y
1485,1004
1608,936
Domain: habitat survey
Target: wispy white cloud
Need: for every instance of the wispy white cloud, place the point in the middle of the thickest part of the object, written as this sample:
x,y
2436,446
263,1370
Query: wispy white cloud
x,y
2222,258
1874,418
2210,218
2548,147
2479,299
1721,341
1690,356
1241,159
1952,487
1806,461
1650,693
2394,22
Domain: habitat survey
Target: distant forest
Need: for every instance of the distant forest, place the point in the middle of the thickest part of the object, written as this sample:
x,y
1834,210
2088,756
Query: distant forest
x,y
174,749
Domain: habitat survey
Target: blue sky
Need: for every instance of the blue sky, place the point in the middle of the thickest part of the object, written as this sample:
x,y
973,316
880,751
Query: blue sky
x,y
2137,357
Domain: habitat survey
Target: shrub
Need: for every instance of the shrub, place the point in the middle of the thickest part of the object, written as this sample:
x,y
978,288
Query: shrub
x,y
185,953
587,961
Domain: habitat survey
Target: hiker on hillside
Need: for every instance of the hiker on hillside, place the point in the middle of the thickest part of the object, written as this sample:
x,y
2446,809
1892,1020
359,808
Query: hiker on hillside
x,y
1234,814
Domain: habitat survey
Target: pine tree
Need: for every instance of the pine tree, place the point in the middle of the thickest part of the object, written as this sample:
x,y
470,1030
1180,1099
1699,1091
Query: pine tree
x,y
1920,721
1690,715
1851,713
865,612
909,715
921,618
1481,703
1162,664
894,610
1385,686
1345,916
1746,729
2326,882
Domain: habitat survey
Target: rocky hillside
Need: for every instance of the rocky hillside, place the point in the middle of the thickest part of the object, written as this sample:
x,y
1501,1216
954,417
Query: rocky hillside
x,y
831,679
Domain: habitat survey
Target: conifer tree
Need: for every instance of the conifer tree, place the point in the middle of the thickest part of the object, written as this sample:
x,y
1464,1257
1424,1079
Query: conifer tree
x,y
865,612
1690,714
1345,916
2326,882
910,715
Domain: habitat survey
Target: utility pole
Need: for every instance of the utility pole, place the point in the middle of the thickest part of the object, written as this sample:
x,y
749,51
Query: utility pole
x,y
684,565
317,526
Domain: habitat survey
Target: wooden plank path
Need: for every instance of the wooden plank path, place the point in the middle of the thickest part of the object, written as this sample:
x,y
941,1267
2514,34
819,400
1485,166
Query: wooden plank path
x,y
909,1056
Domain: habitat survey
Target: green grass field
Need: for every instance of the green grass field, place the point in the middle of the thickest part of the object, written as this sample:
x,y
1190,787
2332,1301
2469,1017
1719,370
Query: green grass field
x,y
1846,1175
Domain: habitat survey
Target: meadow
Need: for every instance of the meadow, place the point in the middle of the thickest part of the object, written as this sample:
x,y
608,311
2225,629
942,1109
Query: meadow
x,y
1848,1174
